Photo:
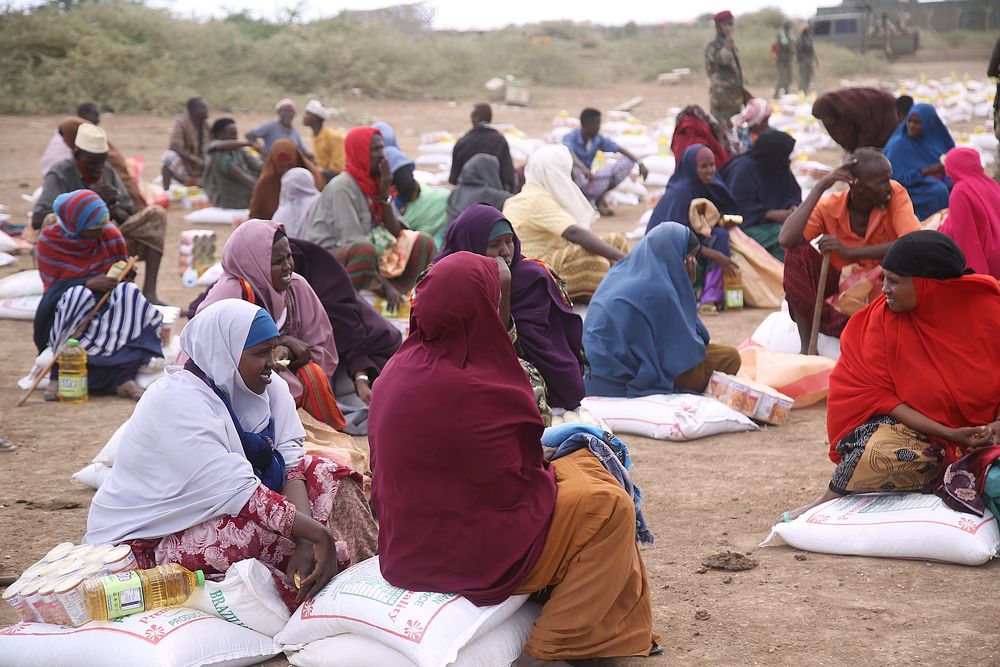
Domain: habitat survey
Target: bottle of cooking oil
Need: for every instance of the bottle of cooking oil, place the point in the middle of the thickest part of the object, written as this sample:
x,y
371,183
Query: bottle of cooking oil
x,y
73,373
733,285
137,591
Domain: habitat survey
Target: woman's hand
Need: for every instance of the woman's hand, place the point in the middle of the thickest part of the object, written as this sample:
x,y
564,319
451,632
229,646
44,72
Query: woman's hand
x,y
392,295
299,352
969,436
100,284
385,179
302,562
936,169
364,389
993,432
324,557
691,265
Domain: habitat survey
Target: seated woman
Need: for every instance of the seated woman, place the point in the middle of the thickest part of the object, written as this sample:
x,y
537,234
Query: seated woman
x,y
356,204
915,151
750,123
232,480
257,262
552,217
284,155
231,169
74,255
764,188
493,520
973,211
642,333
695,126
478,183
365,340
893,425
297,202
424,209
696,178
546,332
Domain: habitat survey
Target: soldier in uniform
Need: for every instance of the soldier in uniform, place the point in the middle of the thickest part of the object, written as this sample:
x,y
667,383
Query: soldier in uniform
x,y
805,52
783,58
726,91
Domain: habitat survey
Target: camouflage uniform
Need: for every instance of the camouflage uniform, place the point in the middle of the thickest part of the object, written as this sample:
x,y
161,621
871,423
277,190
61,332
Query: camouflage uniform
x,y
783,59
806,54
725,91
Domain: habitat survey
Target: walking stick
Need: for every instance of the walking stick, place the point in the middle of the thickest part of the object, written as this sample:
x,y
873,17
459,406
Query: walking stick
x,y
129,265
818,312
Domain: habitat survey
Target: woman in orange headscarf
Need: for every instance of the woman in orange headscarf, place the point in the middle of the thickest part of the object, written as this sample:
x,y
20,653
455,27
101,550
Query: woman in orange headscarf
x,y
283,156
916,386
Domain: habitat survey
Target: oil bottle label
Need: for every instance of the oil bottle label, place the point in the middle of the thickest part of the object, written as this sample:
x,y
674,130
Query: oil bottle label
x,y
73,386
123,594
734,298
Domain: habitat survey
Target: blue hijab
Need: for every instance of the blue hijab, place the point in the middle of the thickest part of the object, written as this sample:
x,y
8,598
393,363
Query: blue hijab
x,y
642,328
762,180
685,186
396,157
908,156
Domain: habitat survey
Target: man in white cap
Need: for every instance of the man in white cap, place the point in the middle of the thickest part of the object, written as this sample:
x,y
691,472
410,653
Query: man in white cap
x,y
264,136
184,159
328,144
88,169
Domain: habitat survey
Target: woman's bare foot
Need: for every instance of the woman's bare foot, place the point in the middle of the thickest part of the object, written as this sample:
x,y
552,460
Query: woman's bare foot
x,y
51,392
129,389
826,496
525,660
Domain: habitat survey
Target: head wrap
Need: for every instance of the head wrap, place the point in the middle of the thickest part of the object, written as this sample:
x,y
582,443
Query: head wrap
x,y
973,211
287,102
316,108
551,168
358,163
773,149
925,254
392,152
723,16
500,228
262,329
267,190
79,211
297,201
91,139
754,112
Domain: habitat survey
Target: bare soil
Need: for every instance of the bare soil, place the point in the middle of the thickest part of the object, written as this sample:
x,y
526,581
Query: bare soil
x,y
705,497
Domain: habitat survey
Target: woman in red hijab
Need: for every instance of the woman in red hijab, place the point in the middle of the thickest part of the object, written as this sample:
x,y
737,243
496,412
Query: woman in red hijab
x,y
695,126
973,211
466,502
916,385
355,220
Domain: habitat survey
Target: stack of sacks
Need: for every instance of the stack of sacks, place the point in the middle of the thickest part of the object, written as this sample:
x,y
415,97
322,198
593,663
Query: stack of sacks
x,y
521,145
20,294
435,149
361,619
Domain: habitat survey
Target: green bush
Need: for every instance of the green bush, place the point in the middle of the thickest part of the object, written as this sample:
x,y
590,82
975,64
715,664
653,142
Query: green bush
x,y
130,57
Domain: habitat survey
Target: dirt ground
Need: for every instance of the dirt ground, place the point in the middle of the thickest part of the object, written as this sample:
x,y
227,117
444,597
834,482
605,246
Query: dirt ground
x,y
703,497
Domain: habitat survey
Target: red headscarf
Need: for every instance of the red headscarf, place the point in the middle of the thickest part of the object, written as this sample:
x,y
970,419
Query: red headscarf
x,y
941,358
974,211
692,129
462,493
267,190
358,163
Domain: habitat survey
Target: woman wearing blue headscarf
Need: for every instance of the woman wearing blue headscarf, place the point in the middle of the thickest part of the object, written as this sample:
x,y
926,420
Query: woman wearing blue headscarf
x,y
915,150
696,177
424,209
642,333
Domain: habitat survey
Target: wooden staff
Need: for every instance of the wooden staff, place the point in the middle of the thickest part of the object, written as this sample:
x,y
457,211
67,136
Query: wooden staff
x,y
818,312
129,265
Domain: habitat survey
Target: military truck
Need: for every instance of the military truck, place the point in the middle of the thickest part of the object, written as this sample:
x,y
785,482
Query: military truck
x,y
862,31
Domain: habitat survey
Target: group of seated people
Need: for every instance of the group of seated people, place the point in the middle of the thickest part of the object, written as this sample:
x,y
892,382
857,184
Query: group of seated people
x,y
495,345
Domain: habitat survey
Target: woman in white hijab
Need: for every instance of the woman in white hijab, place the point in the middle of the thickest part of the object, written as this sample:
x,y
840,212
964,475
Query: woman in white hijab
x,y
297,201
552,218
211,469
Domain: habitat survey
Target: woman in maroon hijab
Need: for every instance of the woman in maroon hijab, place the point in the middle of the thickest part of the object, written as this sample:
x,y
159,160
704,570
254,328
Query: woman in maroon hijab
x,y
466,502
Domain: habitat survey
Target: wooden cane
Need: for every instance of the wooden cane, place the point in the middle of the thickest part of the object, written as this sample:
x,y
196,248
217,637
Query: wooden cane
x,y
129,265
818,312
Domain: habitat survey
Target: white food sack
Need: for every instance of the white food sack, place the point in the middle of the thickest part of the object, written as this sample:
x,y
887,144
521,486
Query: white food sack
x,y
20,308
217,216
247,596
22,283
892,525
429,629
780,334
499,647
678,417
170,637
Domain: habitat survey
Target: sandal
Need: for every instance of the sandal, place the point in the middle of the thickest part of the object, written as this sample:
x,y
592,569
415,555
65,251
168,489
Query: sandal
x,y
129,389
6,446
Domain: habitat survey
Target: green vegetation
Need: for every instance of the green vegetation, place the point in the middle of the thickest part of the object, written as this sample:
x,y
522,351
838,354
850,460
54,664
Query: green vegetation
x,y
130,57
